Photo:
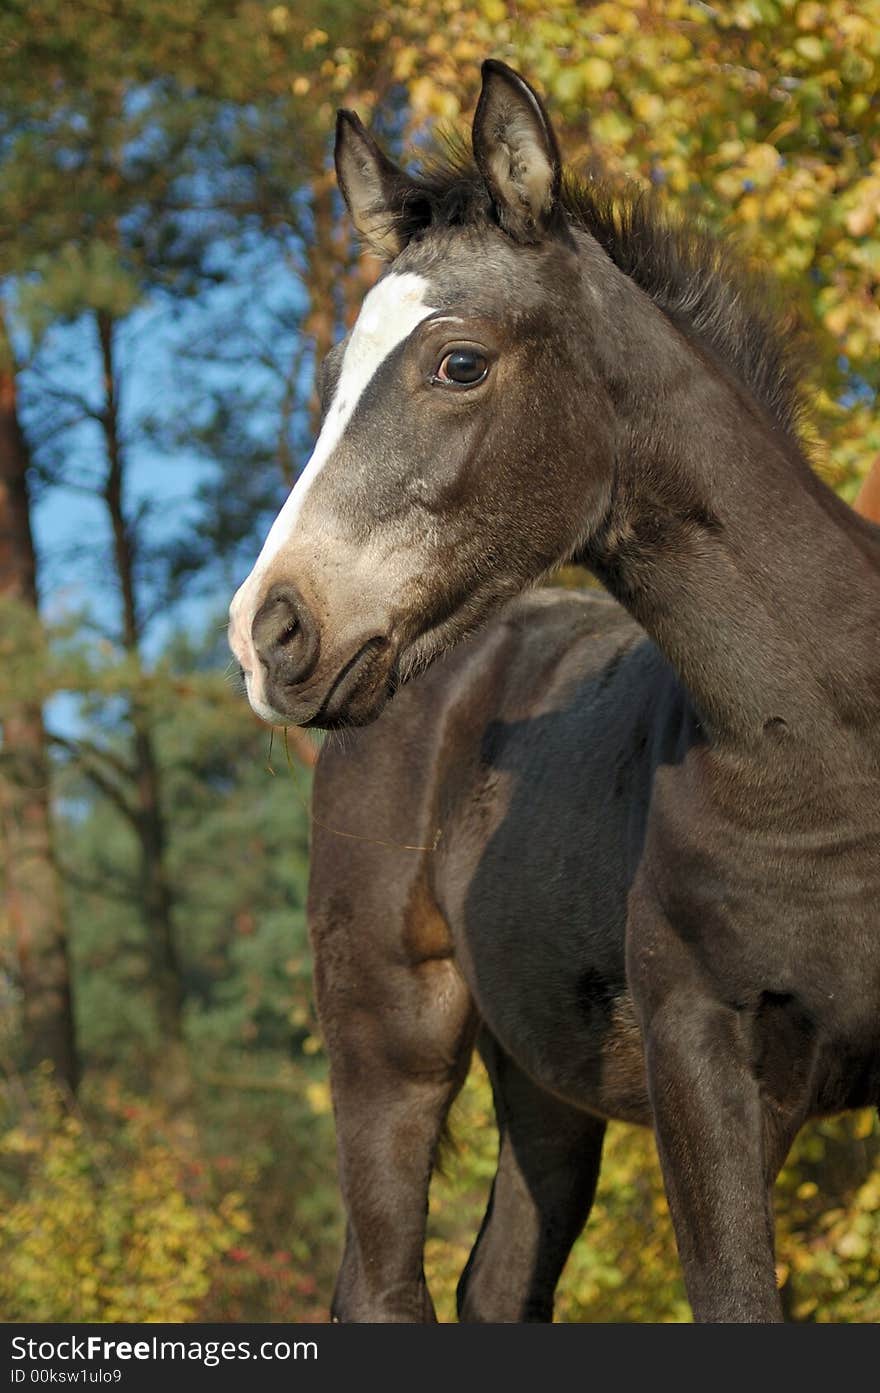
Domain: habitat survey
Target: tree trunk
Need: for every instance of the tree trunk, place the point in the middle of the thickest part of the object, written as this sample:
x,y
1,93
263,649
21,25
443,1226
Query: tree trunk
x,y
149,822
34,905
323,261
338,280
868,501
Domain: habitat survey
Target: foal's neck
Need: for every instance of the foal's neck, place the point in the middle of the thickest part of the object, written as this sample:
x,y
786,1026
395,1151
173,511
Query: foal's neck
x,y
759,584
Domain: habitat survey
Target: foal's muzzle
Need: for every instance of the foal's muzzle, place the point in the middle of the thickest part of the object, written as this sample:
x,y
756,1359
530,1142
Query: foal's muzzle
x,y
298,675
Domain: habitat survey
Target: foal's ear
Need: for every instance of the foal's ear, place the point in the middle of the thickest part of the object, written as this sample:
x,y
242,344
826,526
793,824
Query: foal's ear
x,y
516,152
373,187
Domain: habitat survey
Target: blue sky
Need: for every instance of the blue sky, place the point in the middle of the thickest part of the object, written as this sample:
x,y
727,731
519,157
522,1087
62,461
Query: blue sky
x,y
236,340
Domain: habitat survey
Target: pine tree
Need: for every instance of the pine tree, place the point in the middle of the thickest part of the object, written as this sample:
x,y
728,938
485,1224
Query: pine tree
x,y
31,890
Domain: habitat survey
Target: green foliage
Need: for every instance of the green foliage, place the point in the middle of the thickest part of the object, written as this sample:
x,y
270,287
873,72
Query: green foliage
x,y
76,279
237,864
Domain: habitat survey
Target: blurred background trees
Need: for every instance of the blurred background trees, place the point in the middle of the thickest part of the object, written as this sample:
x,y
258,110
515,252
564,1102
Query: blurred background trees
x,y
173,262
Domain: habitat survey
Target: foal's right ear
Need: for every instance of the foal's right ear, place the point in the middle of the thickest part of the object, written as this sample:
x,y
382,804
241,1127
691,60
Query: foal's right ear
x,y
373,187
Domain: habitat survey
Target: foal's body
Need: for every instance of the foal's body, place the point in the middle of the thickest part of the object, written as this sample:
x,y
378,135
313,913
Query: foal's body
x,y
536,756
681,849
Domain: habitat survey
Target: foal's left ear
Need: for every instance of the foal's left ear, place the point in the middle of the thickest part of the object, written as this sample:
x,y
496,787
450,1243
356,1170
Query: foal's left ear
x,y
516,153
372,185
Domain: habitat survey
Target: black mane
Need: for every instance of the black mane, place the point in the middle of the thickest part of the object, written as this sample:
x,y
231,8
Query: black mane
x,y
694,276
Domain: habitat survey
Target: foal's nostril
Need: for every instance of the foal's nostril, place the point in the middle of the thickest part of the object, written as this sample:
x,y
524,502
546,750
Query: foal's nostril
x,y
285,635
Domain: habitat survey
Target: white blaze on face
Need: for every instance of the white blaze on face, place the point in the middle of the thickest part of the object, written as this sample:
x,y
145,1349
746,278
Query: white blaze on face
x,y
390,312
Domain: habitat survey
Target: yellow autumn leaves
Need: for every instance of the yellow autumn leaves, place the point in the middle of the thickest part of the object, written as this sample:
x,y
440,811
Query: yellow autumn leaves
x,y
126,1231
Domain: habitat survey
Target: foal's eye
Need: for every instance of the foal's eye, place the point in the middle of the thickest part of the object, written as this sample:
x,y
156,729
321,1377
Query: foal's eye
x,y
463,367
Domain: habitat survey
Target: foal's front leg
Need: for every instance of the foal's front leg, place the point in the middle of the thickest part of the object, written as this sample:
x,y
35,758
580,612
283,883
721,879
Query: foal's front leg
x,y
710,1124
399,1036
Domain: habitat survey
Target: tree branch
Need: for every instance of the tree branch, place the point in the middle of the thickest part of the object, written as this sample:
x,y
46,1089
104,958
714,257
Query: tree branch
x,y
104,785
98,752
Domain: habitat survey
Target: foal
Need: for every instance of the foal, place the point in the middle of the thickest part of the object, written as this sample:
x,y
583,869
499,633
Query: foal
x,y
636,845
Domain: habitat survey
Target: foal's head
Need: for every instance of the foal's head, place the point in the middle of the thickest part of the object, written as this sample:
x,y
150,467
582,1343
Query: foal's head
x,y
466,443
